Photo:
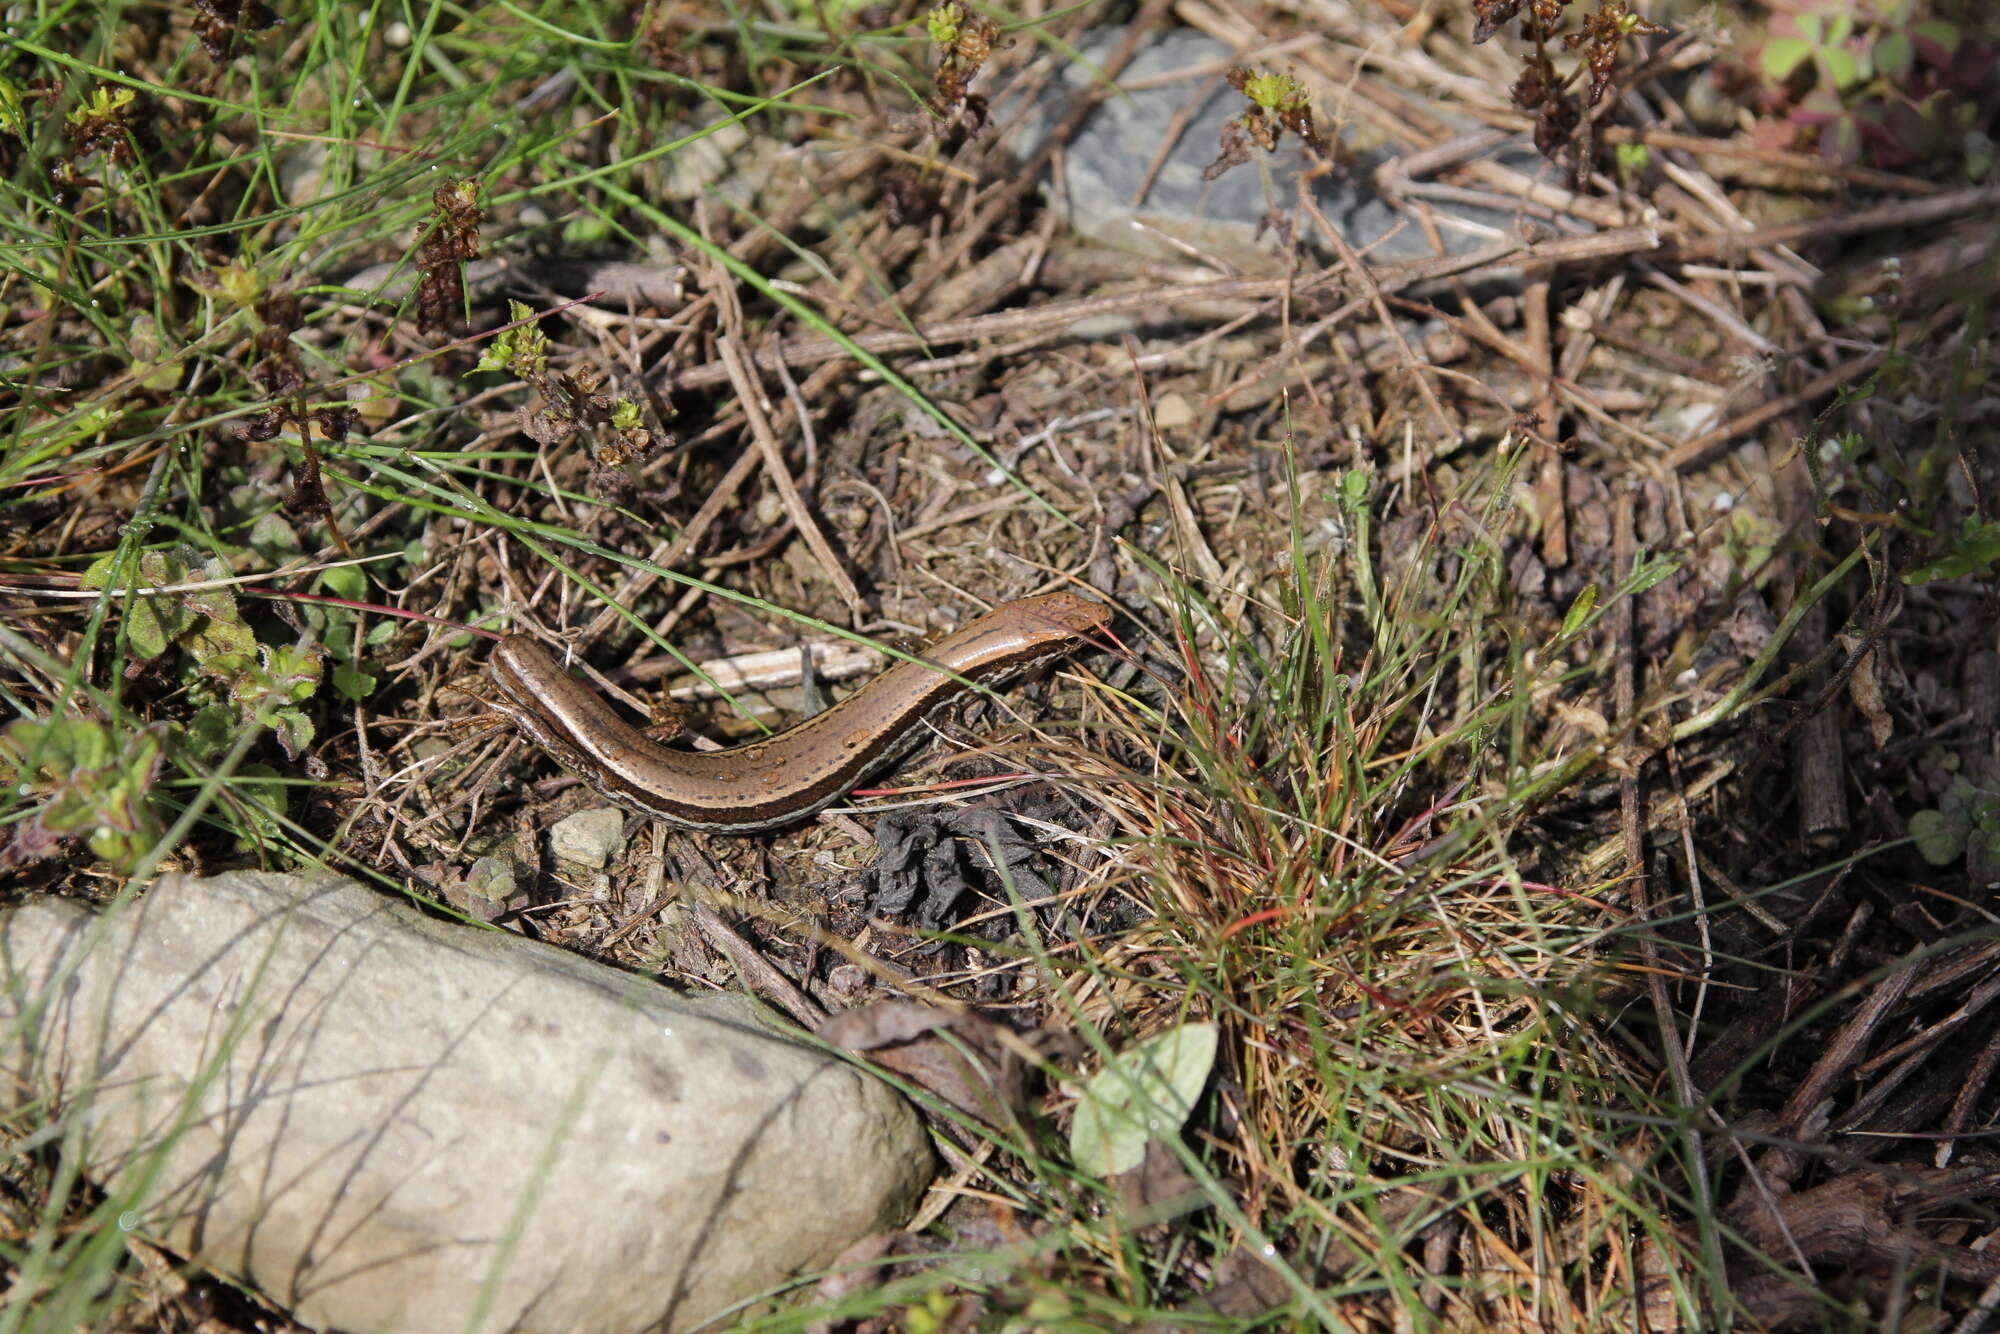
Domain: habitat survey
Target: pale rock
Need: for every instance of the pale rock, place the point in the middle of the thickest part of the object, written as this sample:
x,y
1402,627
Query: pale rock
x,y
1171,411
391,1123
588,838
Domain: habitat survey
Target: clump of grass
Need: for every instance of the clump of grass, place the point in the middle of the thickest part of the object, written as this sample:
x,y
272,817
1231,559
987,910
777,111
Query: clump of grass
x,y
1340,880
1322,845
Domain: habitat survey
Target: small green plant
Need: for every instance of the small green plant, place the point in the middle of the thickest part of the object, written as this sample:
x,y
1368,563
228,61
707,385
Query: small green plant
x,y
1632,160
94,777
944,22
963,41
1278,102
1542,89
1965,823
1971,552
246,680
573,400
87,781
1876,82
1280,94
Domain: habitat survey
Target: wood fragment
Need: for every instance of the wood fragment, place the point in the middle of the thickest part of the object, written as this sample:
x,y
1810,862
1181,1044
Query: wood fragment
x,y
1549,490
1819,768
749,399
1698,450
1845,1048
808,350
1881,218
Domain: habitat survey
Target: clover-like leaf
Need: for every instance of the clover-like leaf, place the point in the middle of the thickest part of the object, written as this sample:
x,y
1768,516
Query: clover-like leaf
x,y
1895,57
1967,817
1940,842
1942,39
1782,57
345,581
273,538
1844,67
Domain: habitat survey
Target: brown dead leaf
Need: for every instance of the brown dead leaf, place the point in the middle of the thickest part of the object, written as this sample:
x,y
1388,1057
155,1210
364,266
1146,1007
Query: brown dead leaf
x,y
973,1069
1864,687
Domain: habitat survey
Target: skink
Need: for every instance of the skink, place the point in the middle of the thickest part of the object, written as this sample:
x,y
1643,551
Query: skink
x,y
781,779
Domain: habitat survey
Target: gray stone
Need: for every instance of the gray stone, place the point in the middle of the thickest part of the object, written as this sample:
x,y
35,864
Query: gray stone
x,y
387,1122
589,838
1106,162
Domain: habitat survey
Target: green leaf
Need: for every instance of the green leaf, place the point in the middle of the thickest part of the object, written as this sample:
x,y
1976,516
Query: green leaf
x,y
345,581
1579,610
1979,155
585,230
1651,571
294,731
151,623
223,648
263,797
95,784
1841,140
210,732
296,669
1945,35
1782,57
266,680
273,538
13,111
1976,547
1354,491
1145,1092
1895,56
353,684
1938,839
150,627
1966,817
491,878
1844,68
1965,805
